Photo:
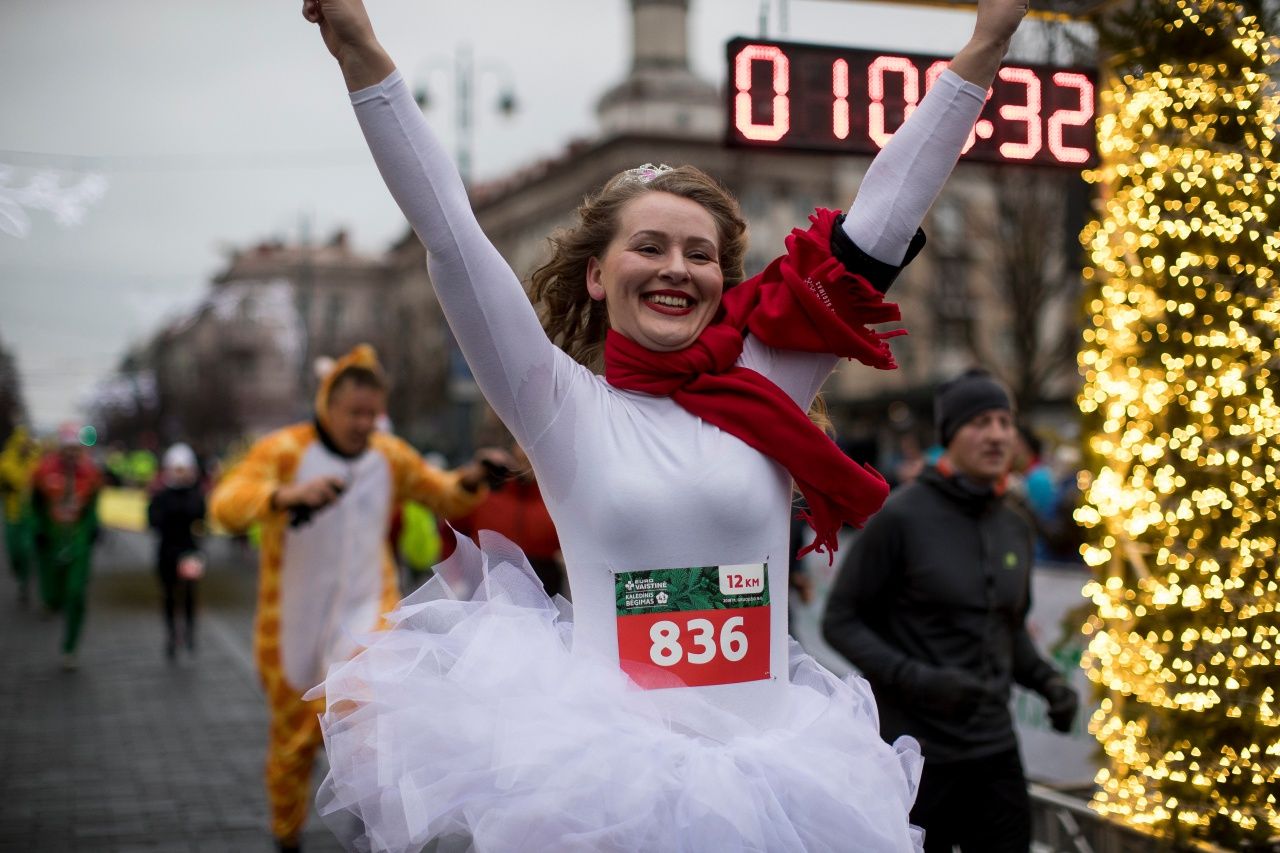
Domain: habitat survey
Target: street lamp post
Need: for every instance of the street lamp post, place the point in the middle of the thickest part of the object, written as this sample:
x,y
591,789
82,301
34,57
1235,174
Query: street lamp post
x,y
464,78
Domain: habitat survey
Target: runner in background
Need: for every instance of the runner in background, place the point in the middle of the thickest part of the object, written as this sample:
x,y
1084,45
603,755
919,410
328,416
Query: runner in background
x,y
323,493
65,489
931,606
176,513
18,462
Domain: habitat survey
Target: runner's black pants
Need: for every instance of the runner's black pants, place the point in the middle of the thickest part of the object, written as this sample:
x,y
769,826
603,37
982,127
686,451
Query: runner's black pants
x,y
980,804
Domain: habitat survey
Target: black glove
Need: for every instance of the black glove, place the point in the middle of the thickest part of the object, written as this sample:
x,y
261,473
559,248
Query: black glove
x,y
1063,703
495,473
951,691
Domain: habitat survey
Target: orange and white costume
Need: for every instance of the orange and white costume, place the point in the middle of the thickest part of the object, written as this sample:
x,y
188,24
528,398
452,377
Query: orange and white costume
x,y
323,581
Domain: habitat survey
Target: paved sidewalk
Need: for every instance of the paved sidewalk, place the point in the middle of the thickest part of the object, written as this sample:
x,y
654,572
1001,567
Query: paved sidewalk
x,y
133,752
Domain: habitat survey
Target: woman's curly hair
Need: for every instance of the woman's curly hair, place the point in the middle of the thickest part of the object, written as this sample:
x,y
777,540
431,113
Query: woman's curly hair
x,y
573,320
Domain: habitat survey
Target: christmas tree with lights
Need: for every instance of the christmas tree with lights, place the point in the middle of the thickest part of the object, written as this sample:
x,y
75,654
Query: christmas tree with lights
x,y
1181,407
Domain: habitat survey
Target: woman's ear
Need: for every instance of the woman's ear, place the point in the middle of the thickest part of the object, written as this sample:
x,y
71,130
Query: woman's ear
x,y
595,280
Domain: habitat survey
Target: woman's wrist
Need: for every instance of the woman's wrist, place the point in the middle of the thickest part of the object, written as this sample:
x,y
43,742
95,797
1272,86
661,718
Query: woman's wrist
x,y
979,60
364,65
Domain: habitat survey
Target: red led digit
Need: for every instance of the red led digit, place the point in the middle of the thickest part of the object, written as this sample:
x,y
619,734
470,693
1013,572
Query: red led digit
x,y
1071,118
876,72
840,90
1027,113
781,84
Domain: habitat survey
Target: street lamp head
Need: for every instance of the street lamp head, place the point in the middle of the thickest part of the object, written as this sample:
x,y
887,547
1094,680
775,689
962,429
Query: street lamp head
x,y
422,98
507,104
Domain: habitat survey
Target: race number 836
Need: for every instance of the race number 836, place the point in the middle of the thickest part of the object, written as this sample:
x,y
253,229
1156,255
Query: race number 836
x,y
667,649
694,627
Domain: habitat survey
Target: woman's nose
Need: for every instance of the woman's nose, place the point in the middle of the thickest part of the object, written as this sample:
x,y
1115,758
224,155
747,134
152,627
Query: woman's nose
x,y
675,268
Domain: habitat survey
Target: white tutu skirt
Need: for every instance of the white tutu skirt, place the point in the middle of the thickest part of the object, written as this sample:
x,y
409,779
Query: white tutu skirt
x,y
472,720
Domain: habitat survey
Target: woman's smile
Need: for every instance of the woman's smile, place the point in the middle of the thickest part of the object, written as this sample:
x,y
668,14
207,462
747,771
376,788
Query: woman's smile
x,y
669,302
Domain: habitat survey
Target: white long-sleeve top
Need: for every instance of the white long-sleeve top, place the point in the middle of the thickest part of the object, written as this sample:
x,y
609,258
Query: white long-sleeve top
x,y
632,481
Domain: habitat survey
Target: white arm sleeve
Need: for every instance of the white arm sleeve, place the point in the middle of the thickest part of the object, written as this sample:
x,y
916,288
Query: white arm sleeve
x,y
909,172
900,186
516,367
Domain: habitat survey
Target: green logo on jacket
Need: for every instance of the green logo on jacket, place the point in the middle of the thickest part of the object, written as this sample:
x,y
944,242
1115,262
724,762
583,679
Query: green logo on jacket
x,y
1011,560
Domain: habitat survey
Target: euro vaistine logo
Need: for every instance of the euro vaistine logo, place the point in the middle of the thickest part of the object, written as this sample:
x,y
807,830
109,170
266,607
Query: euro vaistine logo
x,y
1011,560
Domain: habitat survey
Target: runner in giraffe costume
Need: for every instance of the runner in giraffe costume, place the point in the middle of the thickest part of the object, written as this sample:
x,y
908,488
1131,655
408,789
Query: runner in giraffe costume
x,y
324,493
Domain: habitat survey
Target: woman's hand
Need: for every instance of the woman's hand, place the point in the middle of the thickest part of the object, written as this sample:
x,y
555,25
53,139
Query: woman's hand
x,y
344,24
348,34
998,20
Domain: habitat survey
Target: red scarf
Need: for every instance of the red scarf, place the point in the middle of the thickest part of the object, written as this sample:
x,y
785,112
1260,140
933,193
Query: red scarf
x,y
807,301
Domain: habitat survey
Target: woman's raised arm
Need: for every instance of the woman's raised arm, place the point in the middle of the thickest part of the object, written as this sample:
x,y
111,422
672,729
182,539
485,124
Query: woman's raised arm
x,y
348,33
486,305
906,176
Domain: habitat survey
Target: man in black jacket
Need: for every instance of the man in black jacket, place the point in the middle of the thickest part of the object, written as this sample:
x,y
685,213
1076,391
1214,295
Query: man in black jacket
x,y
931,606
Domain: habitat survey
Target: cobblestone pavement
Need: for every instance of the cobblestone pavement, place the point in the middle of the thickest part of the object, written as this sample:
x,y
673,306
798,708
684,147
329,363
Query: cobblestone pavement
x,y
134,752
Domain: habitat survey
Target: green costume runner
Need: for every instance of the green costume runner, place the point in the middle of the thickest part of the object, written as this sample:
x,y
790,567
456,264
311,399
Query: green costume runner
x,y
65,497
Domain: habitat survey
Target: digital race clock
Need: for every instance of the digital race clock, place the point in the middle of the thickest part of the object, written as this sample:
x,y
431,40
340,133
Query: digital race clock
x,y
819,98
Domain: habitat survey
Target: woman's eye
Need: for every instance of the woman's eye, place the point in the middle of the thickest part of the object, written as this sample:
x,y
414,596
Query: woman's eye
x,y
648,250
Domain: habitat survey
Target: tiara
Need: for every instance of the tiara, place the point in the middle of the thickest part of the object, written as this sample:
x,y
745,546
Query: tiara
x,y
646,173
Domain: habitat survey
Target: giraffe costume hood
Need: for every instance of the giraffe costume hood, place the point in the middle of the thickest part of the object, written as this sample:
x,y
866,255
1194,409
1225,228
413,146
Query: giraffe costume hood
x,y
327,580
361,356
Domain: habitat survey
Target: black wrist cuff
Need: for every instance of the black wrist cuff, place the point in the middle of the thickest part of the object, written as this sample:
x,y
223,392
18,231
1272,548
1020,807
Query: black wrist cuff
x,y
878,273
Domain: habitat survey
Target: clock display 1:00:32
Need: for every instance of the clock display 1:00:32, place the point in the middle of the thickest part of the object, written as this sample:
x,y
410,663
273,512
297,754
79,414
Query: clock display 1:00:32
x,y
813,97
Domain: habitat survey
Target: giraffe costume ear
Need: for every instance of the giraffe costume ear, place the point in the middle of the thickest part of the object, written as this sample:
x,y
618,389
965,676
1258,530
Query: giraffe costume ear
x,y
363,355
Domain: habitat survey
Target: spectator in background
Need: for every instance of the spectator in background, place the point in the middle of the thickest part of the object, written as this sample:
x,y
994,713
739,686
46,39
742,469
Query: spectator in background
x,y
1039,486
175,511
909,460
905,458
1032,483
418,543
1063,536
64,495
931,605
17,463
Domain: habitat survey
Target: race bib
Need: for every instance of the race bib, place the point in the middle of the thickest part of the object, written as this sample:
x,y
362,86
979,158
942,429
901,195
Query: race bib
x,y
694,627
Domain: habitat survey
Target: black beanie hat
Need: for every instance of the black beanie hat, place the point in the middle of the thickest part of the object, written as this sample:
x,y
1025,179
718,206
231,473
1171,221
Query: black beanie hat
x,y
962,399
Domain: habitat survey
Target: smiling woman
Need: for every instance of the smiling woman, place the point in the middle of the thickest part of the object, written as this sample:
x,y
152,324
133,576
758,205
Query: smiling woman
x,y
668,710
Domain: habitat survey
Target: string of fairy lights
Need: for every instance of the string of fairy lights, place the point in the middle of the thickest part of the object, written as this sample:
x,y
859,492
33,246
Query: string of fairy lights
x,y
1181,364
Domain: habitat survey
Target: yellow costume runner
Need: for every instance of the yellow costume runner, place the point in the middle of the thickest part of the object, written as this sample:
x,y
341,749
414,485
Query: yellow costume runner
x,y
17,464
324,580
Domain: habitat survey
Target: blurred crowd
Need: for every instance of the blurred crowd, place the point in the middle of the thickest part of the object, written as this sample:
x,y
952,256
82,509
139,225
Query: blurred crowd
x,y
50,487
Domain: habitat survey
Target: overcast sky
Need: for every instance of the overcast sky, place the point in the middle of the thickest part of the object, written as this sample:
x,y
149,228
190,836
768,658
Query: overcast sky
x,y
218,124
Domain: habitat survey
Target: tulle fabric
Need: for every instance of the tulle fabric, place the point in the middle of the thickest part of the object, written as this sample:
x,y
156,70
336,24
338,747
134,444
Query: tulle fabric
x,y
473,720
